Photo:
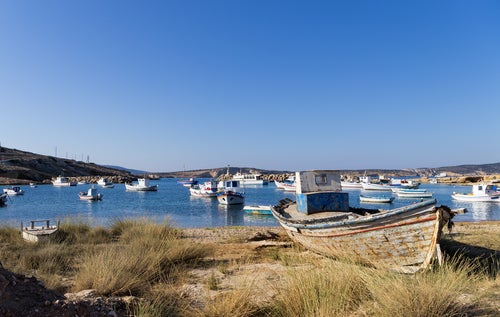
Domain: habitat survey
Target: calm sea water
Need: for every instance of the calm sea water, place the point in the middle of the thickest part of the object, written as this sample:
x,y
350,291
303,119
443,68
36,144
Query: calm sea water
x,y
173,203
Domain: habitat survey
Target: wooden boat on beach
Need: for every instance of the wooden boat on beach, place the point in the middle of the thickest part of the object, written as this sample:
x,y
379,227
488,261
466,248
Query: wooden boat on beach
x,y
34,233
403,239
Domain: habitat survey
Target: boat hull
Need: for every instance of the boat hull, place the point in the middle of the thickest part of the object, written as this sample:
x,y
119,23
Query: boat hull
x,y
476,198
230,199
137,188
403,239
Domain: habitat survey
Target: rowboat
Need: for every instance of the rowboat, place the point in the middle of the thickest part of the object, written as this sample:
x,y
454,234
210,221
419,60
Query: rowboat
x,y
257,209
375,199
34,233
403,239
413,193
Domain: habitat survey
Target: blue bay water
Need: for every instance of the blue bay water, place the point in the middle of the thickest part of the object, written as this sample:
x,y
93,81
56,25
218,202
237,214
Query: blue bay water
x,y
173,203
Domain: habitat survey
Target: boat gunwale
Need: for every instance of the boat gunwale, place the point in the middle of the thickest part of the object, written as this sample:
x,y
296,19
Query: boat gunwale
x,y
347,218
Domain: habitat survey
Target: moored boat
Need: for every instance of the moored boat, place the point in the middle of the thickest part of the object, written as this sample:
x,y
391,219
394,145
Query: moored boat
x,y
257,209
91,195
187,182
62,181
375,199
250,179
231,195
207,189
403,239
413,193
142,185
375,186
13,191
105,183
480,192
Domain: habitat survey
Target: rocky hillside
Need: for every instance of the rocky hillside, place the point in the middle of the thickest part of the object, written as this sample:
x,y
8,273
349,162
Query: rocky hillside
x,y
20,167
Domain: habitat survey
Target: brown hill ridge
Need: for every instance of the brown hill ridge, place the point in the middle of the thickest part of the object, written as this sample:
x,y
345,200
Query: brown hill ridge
x,y
21,167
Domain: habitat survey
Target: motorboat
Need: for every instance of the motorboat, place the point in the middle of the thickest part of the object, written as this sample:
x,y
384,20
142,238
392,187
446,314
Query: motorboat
x,y
376,186
142,185
250,179
187,182
13,191
91,195
232,194
105,183
480,192
207,189
62,181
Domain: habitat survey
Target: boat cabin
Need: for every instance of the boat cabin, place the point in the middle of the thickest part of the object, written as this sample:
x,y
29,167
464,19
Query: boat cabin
x,y
319,191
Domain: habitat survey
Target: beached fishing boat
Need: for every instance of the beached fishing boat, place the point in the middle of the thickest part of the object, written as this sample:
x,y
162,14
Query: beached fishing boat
x,y
403,239
35,233
375,199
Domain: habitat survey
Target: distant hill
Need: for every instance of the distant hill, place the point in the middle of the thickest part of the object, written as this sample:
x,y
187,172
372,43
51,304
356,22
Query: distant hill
x,y
19,167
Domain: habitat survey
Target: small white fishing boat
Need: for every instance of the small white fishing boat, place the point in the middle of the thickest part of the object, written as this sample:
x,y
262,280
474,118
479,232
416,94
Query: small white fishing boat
x,y
34,233
375,199
142,185
480,192
13,191
374,186
250,179
231,195
62,181
257,209
187,182
91,195
351,184
207,189
281,185
105,183
413,193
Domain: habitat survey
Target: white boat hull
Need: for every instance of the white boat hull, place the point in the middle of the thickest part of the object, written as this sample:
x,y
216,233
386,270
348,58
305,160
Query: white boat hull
x,y
228,198
477,198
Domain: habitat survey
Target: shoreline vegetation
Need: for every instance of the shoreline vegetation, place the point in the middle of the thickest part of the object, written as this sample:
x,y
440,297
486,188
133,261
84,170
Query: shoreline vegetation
x,y
140,268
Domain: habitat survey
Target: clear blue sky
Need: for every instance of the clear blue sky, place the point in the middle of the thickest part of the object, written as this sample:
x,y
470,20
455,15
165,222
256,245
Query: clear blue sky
x,y
292,85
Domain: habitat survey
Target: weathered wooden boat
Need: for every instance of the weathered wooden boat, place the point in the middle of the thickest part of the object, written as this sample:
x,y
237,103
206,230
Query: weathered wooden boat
x,y
375,199
34,233
403,239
